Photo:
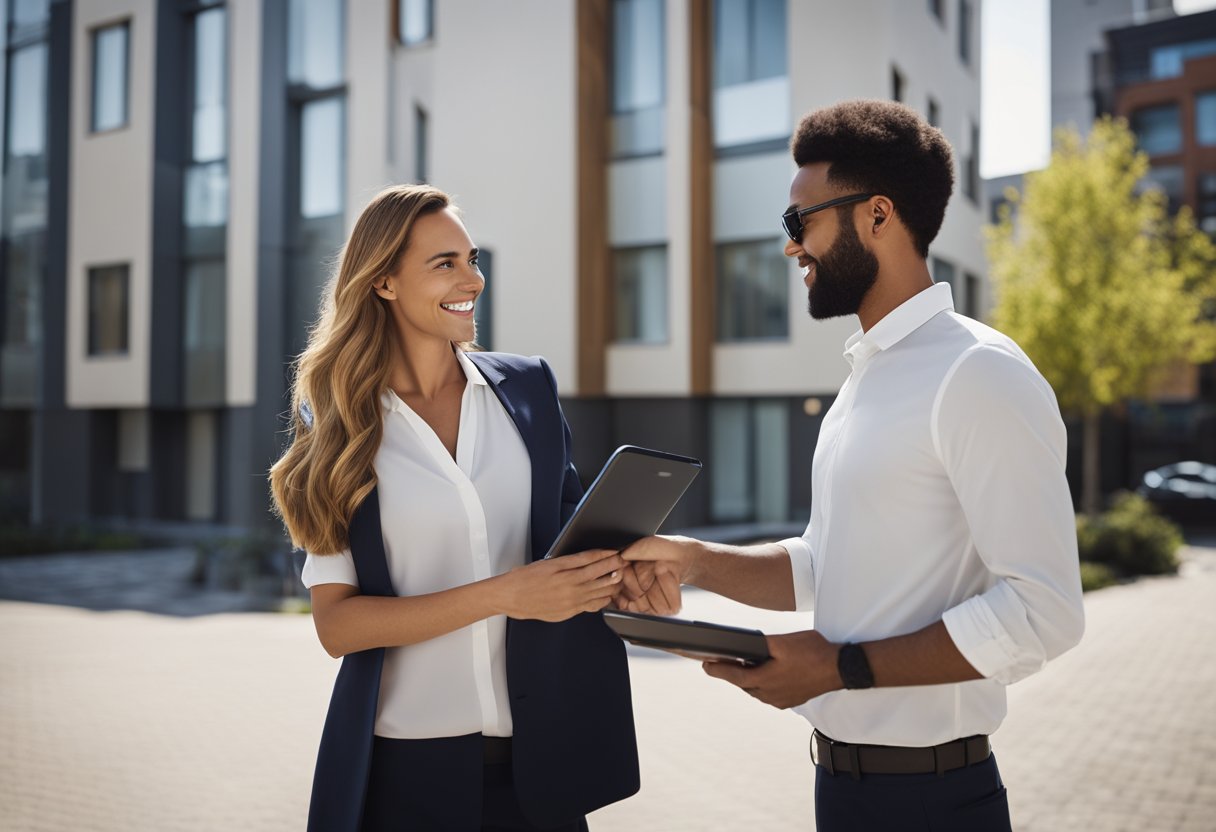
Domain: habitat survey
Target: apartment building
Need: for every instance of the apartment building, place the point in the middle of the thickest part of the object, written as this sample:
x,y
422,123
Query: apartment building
x,y
179,175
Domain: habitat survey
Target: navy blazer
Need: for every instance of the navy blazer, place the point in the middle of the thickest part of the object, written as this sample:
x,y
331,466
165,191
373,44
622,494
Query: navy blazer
x,y
574,748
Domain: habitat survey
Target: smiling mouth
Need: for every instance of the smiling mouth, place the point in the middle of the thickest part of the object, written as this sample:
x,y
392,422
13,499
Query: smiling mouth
x,y
463,306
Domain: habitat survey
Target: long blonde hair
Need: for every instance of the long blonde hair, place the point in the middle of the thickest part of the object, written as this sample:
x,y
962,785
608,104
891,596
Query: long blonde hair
x,y
326,471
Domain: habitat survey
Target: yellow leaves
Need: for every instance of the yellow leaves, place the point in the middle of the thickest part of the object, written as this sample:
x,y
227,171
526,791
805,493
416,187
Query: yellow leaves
x,y
1093,278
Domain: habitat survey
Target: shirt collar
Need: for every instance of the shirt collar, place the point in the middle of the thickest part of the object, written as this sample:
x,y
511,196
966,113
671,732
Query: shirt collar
x,y
391,401
899,323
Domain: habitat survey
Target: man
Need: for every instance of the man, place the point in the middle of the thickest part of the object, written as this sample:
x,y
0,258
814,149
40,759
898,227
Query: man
x,y
941,555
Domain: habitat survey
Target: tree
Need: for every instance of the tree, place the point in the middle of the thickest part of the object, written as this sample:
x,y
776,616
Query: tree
x,y
1097,283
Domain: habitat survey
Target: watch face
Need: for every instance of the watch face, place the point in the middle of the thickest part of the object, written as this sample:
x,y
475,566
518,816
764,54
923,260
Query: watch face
x,y
854,668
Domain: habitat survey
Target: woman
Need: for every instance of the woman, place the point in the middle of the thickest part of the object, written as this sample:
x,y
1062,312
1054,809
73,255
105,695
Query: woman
x,y
426,484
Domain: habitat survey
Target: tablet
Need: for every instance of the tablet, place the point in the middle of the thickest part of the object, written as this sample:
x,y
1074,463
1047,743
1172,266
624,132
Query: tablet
x,y
635,491
695,639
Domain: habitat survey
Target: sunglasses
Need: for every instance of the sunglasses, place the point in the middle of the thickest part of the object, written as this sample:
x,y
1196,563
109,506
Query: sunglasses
x,y
791,220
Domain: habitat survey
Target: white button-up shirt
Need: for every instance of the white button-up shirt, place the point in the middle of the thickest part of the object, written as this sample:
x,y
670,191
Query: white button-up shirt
x,y
939,493
446,523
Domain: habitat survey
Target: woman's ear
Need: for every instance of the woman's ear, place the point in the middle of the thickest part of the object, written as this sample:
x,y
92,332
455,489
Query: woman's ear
x,y
383,286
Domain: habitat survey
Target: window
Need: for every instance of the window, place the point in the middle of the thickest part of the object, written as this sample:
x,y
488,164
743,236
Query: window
x,y
110,68
943,272
933,113
964,32
971,170
751,77
483,310
205,212
108,310
640,307
415,21
1205,118
206,189
971,298
753,291
1158,129
937,8
29,13
315,35
316,161
1169,179
897,84
421,144
1206,210
638,67
749,443
1170,61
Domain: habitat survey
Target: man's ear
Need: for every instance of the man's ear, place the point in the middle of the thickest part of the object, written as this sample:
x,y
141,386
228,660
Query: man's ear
x,y
383,287
882,211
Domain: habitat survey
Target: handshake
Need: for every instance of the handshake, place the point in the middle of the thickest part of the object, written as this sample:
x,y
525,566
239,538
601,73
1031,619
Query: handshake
x,y
645,577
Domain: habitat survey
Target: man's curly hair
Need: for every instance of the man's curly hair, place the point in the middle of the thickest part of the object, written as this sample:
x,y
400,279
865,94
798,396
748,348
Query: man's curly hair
x,y
884,148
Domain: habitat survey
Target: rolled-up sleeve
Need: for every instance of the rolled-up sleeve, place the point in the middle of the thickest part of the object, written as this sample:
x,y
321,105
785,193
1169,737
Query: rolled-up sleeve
x,y
998,431
803,568
329,569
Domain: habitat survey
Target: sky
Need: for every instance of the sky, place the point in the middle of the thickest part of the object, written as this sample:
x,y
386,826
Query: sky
x,y
1015,135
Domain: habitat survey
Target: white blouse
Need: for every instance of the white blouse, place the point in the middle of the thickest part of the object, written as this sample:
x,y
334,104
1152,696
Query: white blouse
x,y
446,523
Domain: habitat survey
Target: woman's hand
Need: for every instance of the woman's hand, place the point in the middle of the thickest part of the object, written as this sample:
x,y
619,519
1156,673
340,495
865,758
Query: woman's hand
x,y
559,588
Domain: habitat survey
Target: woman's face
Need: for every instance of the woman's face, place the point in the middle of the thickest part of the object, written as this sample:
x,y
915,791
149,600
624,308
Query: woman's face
x,y
437,281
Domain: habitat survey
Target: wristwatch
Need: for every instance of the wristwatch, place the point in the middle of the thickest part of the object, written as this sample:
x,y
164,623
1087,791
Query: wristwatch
x,y
854,668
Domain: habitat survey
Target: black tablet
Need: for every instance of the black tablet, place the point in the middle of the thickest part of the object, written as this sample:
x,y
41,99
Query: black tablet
x,y
694,639
635,491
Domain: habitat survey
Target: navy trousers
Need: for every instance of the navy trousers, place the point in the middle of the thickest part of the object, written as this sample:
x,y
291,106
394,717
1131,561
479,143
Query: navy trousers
x,y
442,785
968,799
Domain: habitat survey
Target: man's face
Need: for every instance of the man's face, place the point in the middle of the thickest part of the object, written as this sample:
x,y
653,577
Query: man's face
x,y
838,269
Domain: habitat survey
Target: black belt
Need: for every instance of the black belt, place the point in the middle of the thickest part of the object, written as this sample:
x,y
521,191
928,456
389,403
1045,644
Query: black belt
x,y
497,750
855,759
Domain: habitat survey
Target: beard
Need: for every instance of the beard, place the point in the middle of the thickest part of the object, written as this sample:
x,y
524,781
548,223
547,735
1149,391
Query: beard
x,y
843,276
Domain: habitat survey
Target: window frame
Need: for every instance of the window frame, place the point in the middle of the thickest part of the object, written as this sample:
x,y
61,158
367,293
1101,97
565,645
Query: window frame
x,y
92,272
125,25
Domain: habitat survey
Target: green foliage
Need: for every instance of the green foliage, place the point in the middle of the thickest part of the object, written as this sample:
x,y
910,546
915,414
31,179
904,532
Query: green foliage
x,y
1132,538
1095,281
31,540
1096,576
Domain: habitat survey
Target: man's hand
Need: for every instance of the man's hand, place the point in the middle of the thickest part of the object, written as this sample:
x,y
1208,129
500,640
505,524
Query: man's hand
x,y
651,582
803,666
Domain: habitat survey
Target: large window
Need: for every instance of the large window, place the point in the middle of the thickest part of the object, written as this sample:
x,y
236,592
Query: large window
x,y
422,145
24,196
640,277
108,310
1170,61
751,74
1206,212
971,297
964,31
110,76
205,212
971,165
1170,180
753,291
1158,129
943,272
415,21
316,76
749,443
638,67
1205,118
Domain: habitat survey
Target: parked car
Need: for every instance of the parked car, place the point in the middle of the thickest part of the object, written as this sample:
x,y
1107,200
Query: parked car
x,y
1184,492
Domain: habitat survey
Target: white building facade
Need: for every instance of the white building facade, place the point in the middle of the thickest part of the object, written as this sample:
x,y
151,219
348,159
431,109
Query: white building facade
x,y
623,163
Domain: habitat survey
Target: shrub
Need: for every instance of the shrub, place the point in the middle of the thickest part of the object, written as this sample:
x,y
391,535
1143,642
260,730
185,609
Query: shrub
x,y
1096,576
1131,538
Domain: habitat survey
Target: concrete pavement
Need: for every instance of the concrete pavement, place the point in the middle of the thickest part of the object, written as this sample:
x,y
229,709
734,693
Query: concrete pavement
x,y
131,720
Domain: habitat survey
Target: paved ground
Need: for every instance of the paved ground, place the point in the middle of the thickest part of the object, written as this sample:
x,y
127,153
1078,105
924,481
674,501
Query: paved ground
x,y
133,720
